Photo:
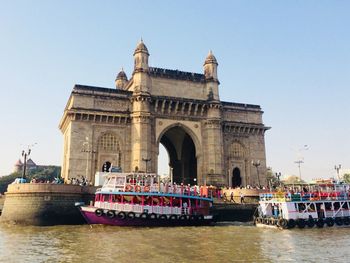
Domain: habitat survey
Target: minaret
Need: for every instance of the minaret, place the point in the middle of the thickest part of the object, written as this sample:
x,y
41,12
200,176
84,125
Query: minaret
x,y
212,127
121,80
211,77
143,156
141,57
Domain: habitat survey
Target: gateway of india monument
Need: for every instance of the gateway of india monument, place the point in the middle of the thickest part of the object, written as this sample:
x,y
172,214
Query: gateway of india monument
x,y
208,141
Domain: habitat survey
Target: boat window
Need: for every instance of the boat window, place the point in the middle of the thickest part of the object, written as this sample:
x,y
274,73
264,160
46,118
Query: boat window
x,y
111,182
120,181
328,206
336,205
301,207
311,208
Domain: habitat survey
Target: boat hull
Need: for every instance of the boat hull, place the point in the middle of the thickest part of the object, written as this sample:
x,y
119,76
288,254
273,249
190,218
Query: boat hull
x,y
89,213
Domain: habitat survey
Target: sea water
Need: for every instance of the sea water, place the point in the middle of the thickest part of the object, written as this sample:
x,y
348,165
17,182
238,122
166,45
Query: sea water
x,y
220,243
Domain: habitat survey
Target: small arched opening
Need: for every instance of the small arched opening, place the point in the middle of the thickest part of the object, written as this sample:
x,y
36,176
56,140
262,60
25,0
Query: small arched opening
x,y
106,166
236,178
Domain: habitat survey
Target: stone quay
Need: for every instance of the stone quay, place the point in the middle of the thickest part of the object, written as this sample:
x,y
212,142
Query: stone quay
x,y
45,204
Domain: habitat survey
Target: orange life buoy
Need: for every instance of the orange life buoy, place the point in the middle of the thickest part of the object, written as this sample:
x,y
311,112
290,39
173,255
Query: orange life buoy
x,y
128,188
137,188
146,189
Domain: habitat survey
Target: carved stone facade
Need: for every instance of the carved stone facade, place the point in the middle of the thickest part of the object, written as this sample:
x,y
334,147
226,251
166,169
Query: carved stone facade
x,y
208,141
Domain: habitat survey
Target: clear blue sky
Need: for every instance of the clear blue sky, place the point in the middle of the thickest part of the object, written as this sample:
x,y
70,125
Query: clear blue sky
x,y
290,57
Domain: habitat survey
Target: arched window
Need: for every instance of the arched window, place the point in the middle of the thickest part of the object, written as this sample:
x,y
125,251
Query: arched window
x,y
237,150
109,143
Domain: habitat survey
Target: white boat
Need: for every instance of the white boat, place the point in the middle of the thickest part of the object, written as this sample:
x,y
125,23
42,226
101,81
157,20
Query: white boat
x,y
325,203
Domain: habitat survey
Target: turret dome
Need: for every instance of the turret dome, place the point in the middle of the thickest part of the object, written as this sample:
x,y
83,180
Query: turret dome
x,y
211,59
121,80
122,75
141,47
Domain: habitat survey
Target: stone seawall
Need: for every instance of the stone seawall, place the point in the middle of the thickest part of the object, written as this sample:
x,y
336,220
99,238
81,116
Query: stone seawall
x,y
44,204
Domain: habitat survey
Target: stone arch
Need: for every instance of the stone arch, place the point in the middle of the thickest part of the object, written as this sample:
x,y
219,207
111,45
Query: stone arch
x,y
109,150
183,149
188,130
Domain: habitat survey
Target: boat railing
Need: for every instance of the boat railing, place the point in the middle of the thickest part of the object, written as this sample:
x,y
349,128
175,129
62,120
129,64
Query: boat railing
x,y
167,189
303,196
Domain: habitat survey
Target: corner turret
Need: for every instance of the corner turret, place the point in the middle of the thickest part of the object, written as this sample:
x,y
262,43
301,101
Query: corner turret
x,y
121,80
211,76
141,57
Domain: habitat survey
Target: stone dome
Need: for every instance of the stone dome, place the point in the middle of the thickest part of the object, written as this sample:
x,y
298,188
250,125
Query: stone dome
x,y
211,59
18,163
122,75
141,47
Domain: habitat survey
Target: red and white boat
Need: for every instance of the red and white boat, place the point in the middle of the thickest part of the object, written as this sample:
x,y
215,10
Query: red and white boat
x,y
139,199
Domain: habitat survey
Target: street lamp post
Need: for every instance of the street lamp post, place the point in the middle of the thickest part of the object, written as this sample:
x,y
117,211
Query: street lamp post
x,y
257,164
25,155
278,175
337,168
146,161
299,162
87,148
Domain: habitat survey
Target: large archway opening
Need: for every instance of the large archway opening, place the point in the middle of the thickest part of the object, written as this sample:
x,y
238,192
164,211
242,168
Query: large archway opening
x,y
181,155
236,178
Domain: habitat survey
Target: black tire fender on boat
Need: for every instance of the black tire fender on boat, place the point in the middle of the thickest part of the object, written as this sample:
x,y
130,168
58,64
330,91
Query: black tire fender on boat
x,y
110,214
183,217
143,215
330,221
320,223
310,222
301,223
173,217
282,223
339,221
266,221
131,215
152,216
200,217
346,221
257,220
163,217
193,217
121,215
99,212
291,223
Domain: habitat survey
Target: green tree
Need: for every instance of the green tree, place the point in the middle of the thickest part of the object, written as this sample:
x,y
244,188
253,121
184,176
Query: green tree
x,y
293,179
271,178
6,180
346,178
41,174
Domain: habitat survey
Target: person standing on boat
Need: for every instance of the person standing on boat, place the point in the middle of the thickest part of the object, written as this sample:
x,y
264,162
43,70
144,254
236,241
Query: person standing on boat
x,y
184,205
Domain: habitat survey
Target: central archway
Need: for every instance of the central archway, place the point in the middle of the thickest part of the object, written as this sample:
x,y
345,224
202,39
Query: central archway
x,y
182,155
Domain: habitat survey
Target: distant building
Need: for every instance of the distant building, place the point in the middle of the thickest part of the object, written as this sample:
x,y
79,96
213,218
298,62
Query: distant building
x,y
18,167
